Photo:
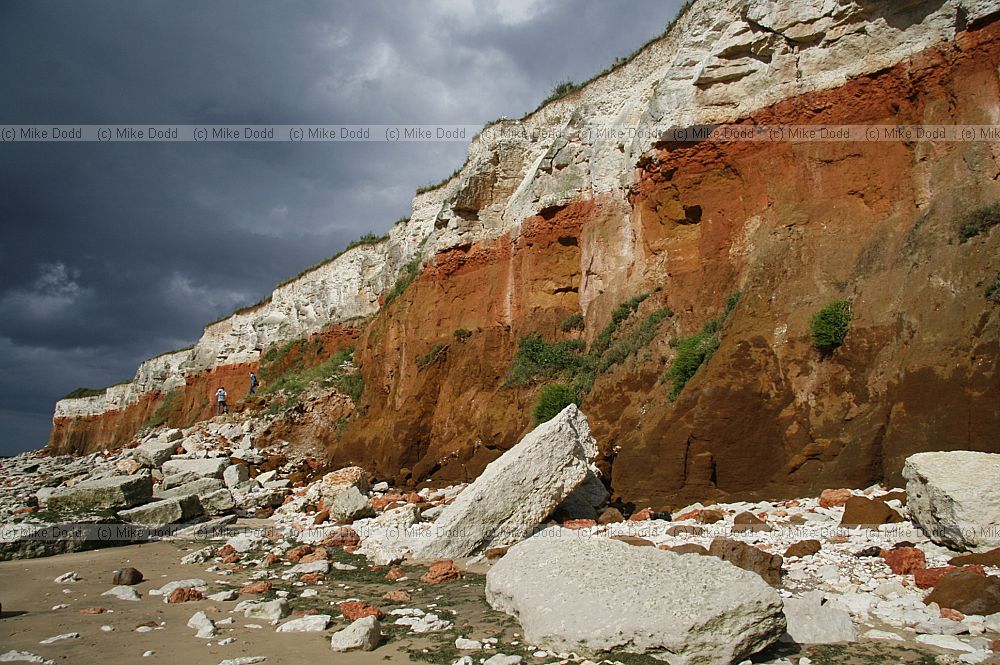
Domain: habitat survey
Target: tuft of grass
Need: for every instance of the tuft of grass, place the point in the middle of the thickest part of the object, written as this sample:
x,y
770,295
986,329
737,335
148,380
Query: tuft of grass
x,y
462,334
84,392
638,338
409,273
574,322
437,185
619,316
432,355
695,350
553,399
979,221
538,359
560,90
993,290
830,324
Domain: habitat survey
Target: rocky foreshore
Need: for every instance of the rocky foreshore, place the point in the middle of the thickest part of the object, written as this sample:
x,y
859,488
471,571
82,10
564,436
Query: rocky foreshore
x,y
291,547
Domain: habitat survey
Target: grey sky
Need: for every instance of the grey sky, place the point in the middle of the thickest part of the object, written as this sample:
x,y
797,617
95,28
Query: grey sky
x,y
111,253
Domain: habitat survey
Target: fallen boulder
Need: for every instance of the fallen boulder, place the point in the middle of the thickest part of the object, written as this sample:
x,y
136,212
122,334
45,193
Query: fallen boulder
x,y
350,505
868,513
955,497
594,595
748,557
161,513
516,491
363,634
154,453
206,468
200,486
104,493
810,621
968,592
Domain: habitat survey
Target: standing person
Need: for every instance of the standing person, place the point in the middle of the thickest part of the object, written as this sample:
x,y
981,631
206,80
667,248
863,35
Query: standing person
x,y
220,399
253,382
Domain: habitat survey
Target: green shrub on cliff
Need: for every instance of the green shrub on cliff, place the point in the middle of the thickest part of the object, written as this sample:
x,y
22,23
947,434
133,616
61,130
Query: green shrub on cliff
x,y
692,352
695,350
636,339
295,379
432,355
979,221
553,399
574,322
538,359
830,324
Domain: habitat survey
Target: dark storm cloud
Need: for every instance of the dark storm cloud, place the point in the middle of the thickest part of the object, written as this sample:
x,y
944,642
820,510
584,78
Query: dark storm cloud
x,y
111,253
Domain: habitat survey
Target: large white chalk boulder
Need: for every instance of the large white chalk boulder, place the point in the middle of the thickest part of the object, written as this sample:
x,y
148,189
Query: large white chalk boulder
x,y
161,513
206,468
113,492
955,497
591,595
515,492
154,452
810,621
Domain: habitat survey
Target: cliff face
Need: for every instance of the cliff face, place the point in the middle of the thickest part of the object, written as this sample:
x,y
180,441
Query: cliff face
x,y
541,224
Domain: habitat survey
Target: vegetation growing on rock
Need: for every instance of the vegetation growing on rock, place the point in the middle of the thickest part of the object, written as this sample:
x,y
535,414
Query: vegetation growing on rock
x,y
553,399
979,221
830,324
695,350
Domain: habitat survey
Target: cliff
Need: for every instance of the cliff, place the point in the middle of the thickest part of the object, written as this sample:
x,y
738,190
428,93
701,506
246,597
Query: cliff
x,y
548,219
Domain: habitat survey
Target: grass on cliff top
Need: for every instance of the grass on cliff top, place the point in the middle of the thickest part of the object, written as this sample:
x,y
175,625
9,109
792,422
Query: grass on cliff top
x,y
84,392
366,239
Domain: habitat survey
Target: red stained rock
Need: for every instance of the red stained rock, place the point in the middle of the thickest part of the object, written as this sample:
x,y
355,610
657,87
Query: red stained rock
x,y
312,578
990,558
859,511
94,610
185,595
127,577
270,559
928,578
745,522
321,516
318,554
296,553
905,560
803,548
643,515
747,557
834,498
686,548
398,597
579,524
343,537
394,574
494,553
610,516
441,571
954,615
711,516
232,558
257,587
968,592
355,609
634,540
226,550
